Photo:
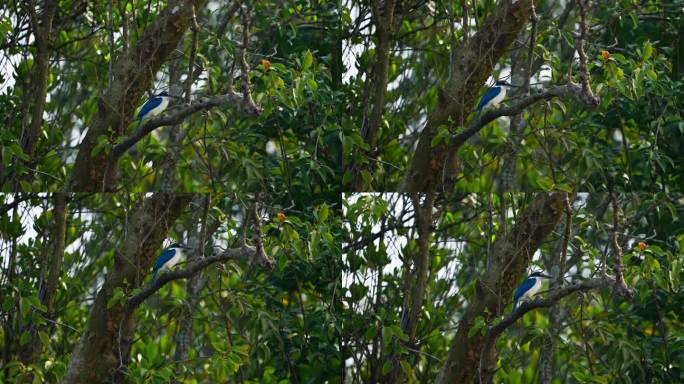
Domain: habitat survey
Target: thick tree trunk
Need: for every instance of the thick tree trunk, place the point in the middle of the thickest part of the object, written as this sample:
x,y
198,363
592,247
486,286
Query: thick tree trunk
x,y
478,56
133,74
105,343
511,255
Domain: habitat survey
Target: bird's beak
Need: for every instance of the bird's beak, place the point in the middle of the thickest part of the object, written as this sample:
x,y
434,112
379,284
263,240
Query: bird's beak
x,y
546,276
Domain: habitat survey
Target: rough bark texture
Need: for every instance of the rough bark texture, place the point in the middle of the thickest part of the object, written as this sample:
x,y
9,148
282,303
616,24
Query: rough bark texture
x,y
479,55
511,255
133,74
98,354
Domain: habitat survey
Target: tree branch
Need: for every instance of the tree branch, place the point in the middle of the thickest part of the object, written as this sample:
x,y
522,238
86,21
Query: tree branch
x,y
134,72
553,297
176,116
476,59
243,253
620,286
570,90
585,78
511,255
562,91
250,106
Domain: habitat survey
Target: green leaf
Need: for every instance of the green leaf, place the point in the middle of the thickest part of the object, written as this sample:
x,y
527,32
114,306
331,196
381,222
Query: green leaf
x,y
322,212
371,332
479,326
102,145
545,183
7,303
44,338
307,60
387,367
118,297
407,368
24,338
648,51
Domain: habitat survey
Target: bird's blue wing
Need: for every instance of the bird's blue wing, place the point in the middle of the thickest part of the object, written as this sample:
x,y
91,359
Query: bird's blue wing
x,y
148,106
163,258
487,97
522,288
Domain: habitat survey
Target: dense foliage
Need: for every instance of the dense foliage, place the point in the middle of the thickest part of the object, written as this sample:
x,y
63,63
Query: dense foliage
x,y
632,140
293,61
249,324
351,217
592,337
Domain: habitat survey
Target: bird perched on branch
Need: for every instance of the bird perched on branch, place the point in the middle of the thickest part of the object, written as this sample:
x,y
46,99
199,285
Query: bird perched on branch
x,y
153,106
170,257
493,96
529,287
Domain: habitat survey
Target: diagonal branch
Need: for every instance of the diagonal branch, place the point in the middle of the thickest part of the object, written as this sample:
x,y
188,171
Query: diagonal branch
x,y
553,297
133,73
511,254
475,61
176,116
570,90
243,253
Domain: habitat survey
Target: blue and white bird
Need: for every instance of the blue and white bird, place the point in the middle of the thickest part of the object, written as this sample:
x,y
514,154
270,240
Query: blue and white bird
x,y
170,257
529,287
153,106
493,96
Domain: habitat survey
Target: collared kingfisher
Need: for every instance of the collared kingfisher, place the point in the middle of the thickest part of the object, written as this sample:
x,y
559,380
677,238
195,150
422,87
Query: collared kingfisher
x,y
493,96
529,287
153,106
170,257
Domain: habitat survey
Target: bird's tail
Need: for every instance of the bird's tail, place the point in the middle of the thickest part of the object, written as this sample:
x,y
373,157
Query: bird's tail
x,y
154,276
479,110
515,305
139,122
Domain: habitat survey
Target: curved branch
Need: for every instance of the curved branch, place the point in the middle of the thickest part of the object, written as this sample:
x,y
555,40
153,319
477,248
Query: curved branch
x,y
570,90
243,253
177,115
552,298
